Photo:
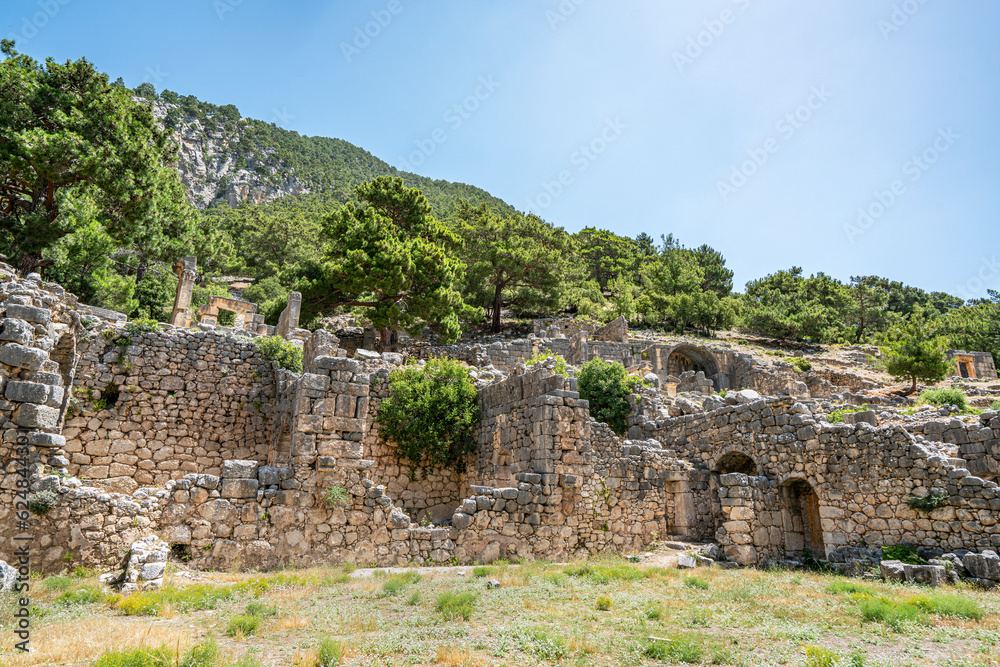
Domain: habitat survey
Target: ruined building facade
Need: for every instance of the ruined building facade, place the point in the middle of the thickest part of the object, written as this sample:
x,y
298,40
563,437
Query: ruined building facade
x,y
187,433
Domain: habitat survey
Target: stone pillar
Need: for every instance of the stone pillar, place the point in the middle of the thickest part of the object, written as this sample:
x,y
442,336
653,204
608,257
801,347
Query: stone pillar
x,y
289,319
185,270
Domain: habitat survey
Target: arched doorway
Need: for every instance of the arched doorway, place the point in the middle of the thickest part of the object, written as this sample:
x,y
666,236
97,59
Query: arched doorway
x,y
684,358
803,528
736,462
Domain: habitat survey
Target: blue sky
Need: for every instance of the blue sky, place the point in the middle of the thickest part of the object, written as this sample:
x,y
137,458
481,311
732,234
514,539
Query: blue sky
x,y
857,137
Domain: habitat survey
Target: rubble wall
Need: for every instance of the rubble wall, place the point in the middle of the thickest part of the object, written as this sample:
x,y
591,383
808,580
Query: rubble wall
x,y
862,476
183,401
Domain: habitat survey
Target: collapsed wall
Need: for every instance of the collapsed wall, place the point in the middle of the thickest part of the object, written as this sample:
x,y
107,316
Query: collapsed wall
x,y
788,482
193,436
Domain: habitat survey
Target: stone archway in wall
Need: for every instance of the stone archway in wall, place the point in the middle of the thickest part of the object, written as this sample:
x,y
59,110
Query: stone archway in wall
x,y
802,524
684,358
736,462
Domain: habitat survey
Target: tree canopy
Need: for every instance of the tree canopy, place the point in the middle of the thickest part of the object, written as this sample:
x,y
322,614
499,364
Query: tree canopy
x,y
66,133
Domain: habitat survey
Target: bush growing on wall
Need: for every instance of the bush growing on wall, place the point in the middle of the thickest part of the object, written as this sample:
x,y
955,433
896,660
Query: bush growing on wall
x,y
430,414
282,352
607,386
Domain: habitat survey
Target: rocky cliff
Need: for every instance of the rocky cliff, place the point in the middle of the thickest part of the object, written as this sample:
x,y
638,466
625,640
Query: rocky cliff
x,y
215,163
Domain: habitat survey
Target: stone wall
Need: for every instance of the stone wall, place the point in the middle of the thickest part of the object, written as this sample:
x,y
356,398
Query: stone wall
x,y
861,476
167,403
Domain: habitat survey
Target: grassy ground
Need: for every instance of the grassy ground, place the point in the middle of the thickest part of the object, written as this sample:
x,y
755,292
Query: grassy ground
x,y
602,612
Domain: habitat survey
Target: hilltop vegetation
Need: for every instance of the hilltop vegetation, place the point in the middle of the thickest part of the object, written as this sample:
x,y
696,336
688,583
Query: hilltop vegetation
x,y
397,249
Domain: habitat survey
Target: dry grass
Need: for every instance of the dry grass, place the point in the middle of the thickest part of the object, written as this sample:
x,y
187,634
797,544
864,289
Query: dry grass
x,y
451,656
82,641
543,615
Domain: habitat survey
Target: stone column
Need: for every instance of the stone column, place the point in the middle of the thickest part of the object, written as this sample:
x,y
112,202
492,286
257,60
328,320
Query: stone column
x,y
289,319
185,270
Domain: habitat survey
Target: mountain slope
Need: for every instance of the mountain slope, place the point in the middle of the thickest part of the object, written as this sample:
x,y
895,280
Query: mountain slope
x,y
227,158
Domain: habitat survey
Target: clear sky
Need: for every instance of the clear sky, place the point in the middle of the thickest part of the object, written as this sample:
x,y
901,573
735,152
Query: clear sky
x,y
852,137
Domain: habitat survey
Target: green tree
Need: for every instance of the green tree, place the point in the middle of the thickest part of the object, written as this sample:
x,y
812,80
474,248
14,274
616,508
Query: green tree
x,y
916,353
788,305
512,259
391,258
64,131
607,386
605,255
431,413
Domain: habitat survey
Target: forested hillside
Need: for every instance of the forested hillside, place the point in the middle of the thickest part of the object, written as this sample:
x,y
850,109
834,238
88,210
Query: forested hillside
x,y
94,195
226,157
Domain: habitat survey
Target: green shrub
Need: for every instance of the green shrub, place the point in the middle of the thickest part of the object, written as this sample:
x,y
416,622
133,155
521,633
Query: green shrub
x,y
945,604
82,595
414,599
261,610
995,406
283,353
191,598
335,496
57,583
329,653
243,625
928,503
906,553
205,654
42,502
430,414
677,648
137,657
820,657
840,586
801,365
482,571
603,603
944,396
397,582
696,582
890,612
603,574
453,605
545,645
607,386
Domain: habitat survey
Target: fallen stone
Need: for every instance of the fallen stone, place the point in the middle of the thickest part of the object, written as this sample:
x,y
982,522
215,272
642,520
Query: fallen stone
x,y
8,575
686,562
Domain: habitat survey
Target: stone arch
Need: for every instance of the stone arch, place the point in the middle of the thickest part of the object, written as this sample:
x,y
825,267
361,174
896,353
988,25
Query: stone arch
x,y
801,518
684,358
734,461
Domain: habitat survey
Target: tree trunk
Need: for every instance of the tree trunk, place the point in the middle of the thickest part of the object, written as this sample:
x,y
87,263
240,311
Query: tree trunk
x,y
28,262
497,304
913,388
384,333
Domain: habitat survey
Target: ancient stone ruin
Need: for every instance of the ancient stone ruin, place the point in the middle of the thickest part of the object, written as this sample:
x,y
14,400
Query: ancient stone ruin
x,y
189,436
